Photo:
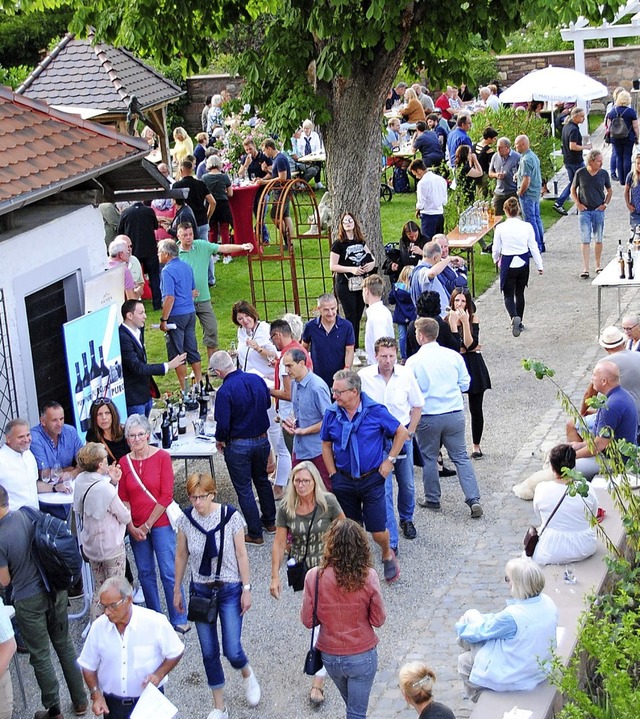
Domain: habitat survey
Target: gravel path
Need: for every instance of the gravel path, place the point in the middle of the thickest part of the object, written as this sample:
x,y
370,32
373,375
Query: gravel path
x,y
455,562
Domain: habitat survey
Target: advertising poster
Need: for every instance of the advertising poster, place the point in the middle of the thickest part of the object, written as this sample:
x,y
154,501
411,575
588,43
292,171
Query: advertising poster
x,y
94,363
103,289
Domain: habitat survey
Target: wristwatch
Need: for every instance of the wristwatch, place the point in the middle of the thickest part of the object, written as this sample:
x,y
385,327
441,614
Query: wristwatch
x,y
391,459
246,587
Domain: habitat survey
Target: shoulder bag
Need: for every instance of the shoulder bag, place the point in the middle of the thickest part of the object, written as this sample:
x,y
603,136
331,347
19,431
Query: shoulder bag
x,y
205,609
532,536
313,660
80,518
173,510
297,571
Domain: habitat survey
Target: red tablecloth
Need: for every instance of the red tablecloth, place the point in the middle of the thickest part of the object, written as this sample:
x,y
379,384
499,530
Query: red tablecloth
x,y
241,205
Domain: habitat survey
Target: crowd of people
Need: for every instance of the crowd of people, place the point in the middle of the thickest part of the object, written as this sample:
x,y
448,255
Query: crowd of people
x,y
311,445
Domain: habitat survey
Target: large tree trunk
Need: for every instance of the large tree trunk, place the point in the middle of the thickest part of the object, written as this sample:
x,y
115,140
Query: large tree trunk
x,y
353,143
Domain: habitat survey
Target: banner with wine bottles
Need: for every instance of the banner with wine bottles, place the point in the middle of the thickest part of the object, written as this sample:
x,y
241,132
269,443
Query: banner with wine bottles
x,y
94,363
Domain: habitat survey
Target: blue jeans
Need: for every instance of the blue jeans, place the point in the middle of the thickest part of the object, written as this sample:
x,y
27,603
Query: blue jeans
x,y
571,171
402,339
246,460
160,541
433,431
143,409
624,150
230,616
591,225
403,469
634,219
353,675
530,207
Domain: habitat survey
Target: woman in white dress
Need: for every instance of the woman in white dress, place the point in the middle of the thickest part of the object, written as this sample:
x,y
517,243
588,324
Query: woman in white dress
x,y
569,536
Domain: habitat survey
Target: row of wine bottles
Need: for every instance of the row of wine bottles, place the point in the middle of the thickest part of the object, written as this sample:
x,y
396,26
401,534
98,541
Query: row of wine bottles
x,y
96,380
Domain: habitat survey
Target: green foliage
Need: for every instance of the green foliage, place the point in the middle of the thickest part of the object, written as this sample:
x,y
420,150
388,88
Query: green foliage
x,y
14,76
536,37
23,35
236,137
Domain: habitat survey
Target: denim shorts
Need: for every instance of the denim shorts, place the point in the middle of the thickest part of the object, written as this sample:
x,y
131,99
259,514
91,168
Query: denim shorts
x,y
591,225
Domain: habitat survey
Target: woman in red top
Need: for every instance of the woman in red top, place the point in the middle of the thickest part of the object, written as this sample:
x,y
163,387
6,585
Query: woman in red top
x,y
146,488
349,606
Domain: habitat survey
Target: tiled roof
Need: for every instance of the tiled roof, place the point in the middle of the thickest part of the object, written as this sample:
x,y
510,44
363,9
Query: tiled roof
x,y
44,151
80,74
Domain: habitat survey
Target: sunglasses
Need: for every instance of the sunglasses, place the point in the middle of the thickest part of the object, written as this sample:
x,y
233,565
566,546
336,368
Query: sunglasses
x,y
100,401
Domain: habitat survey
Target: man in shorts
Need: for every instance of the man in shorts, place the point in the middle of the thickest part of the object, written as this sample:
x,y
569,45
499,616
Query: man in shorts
x,y
178,318
361,441
591,191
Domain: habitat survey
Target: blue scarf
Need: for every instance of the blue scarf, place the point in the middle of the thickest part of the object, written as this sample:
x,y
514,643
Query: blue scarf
x,y
349,437
210,551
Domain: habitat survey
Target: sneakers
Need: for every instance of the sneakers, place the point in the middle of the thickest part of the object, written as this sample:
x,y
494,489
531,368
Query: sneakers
x,y
434,506
356,362
253,541
270,528
391,569
80,709
219,714
408,529
487,249
560,210
476,510
252,689
446,472
138,596
226,259
515,326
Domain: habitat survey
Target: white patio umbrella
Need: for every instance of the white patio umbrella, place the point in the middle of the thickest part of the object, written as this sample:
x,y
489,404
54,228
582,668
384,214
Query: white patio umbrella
x,y
554,83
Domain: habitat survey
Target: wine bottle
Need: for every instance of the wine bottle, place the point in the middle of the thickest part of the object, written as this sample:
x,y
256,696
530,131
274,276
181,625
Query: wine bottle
x,y
95,373
621,259
86,393
79,395
182,420
629,265
166,431
106,384
174,424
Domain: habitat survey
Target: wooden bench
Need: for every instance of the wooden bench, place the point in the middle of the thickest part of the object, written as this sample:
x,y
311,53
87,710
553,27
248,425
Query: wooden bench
x,y
571,599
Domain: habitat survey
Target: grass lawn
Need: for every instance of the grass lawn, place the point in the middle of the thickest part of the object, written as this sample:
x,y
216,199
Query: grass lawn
x,y
232,283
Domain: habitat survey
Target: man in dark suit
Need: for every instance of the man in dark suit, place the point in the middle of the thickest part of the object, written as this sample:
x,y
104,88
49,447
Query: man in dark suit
x,y
138,375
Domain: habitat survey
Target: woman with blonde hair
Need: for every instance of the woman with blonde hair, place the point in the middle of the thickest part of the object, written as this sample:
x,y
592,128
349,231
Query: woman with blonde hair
x,y
413,111
416,684
632,193
345,593
211,545
183,146
622,143
304,516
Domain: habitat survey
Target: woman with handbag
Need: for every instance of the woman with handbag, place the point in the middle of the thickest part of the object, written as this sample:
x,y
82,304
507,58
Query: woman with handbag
x,y
211,544
350,260
303,518
566,534
105,428
146,488
101,516
343,596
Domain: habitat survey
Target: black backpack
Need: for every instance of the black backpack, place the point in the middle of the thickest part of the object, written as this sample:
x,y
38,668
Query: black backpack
x,y
618,129
400,180
55,550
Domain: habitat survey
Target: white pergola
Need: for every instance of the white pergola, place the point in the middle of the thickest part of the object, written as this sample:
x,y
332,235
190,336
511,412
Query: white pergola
x,y
580,30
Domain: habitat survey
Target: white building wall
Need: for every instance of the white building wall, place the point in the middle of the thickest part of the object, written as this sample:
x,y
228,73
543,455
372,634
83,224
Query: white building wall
x,y
50,243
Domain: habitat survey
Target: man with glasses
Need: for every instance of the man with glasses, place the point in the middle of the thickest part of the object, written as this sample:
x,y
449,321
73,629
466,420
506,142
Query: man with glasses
x,y
631,328
361,441
41,616
127,648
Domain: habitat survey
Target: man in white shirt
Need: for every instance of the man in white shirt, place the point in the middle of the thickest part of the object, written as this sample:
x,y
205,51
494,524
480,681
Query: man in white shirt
x,y
18,467
127,648
379,318
395,387
431,197
442,377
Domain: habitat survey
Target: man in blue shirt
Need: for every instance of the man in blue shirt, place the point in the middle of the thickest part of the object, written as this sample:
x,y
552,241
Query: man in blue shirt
x,y
530,187
241,434
459,136
54,444
442,376
330,340
178,286
617,419
309,400
361,441
280,170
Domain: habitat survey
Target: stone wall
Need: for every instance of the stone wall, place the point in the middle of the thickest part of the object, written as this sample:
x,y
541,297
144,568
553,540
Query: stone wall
x,y
201,86
611,66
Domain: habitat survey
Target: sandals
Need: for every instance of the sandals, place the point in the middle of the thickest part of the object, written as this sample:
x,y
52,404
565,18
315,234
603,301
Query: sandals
x,y
316,696
584,275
